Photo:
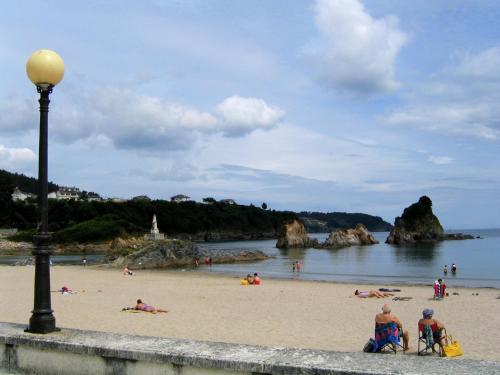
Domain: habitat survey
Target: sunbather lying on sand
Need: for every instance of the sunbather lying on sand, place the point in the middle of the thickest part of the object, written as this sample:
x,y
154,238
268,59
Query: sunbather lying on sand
x,y
372,293
145,307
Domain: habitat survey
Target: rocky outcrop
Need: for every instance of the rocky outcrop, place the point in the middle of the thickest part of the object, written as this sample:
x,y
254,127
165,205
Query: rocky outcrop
x,y
419,224
349,237
294,234
12,247
139,254
459,236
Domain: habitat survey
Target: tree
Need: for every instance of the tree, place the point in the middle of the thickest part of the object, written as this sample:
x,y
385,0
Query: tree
x,y
6,190
264,206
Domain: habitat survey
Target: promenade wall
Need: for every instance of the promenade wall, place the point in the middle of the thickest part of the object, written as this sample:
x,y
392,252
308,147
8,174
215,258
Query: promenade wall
x,y
88,352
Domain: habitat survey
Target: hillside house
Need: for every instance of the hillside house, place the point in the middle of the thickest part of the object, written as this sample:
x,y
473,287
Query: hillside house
x,y
19,195
180,198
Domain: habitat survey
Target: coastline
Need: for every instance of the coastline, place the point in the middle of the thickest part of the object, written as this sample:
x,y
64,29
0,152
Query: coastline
x,y
214,307
292,277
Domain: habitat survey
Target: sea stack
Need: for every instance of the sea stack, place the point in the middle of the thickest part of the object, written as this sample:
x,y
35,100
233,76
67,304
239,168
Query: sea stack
x,y
416,224
349,237
294,234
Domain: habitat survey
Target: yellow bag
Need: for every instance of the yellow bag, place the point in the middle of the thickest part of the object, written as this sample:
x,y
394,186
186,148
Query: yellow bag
x,y
451,348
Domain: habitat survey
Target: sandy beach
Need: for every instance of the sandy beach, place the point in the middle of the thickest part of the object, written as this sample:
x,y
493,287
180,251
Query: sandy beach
x,y
291,313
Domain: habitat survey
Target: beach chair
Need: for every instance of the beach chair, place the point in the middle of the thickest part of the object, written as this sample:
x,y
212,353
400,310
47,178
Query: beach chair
x,y
388,338
428,337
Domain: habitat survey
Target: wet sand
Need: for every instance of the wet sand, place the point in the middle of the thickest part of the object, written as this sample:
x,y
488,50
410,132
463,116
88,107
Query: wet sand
x,y
291,313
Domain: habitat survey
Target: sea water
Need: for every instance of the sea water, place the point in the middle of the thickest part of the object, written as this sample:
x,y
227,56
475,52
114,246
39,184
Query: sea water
x,y
478,261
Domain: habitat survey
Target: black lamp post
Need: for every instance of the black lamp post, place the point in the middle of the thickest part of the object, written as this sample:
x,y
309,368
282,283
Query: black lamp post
x,y
45,69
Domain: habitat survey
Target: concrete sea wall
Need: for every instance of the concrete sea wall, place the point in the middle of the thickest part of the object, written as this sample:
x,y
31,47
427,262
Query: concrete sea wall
x,y
87,352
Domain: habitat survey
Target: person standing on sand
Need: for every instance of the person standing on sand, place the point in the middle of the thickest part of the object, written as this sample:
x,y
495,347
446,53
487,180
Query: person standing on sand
x,y
442,288
84,262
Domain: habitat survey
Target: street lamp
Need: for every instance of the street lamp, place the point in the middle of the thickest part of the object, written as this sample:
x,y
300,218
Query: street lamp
x,y
45,69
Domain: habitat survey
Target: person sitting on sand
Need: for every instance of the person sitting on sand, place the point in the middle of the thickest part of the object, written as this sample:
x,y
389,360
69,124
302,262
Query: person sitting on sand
x,y
145,307
372,293
386,317
435,325
250,279
256,279
126,271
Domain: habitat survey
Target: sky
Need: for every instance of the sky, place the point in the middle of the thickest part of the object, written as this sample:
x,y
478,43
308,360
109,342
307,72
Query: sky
x,y
326,105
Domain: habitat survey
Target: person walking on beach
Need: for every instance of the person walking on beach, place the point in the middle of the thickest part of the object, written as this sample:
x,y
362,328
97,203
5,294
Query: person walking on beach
x,y
387,317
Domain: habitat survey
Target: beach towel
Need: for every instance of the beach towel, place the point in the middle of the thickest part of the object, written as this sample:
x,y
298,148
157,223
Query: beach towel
x,y
429,338
402,298
133,310
389,290
386,334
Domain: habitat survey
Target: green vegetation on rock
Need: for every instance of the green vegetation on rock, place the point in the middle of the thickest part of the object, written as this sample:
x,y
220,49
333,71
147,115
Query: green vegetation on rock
x,y
327,222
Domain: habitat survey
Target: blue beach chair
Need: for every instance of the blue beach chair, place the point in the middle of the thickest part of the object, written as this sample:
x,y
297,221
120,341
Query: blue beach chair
x,y
388,338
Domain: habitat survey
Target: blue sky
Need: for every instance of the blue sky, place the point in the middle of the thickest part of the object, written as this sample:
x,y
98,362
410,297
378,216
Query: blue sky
x,y
340,105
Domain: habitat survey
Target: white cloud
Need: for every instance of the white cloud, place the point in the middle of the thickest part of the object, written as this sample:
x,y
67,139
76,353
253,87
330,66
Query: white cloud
x,y
131,120
440,160
241,115
461,99
358,52
16,158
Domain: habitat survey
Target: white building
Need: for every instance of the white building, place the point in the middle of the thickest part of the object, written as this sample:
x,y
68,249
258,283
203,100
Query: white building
x,y
68,193
180,198
93,197
19,195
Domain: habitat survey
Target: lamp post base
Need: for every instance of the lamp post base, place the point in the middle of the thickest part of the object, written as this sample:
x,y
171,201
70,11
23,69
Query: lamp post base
x,y
42,322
